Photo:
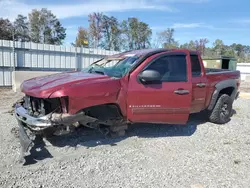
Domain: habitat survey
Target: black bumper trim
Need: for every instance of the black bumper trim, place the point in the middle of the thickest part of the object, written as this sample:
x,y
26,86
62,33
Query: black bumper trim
x,y
25,141
237,95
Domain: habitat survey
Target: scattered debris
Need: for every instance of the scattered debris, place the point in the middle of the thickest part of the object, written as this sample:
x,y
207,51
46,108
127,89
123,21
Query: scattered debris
x,y
237,161
15,132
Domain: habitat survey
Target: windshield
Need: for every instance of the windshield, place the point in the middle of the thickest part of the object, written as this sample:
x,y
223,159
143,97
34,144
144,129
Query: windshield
x,y
113,67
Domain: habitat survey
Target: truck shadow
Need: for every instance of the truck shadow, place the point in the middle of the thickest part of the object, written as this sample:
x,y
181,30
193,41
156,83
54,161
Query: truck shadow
x,y
85,137
91,138
38,152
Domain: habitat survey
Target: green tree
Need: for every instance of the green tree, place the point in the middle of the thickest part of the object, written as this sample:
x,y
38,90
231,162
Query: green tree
x,y
167,38
58,33
126,35
35,31
190,46
247,50
111,33
21,26
144,36
247,53
229,51
82,37
136,34
45,27
239,49
184,46
6,29
219,47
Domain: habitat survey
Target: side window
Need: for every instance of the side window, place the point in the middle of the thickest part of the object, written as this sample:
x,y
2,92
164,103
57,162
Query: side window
x,y
196,67
172,68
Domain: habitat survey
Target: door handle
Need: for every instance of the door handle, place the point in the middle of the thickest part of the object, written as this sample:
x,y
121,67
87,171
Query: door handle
x,y
181,92
201,84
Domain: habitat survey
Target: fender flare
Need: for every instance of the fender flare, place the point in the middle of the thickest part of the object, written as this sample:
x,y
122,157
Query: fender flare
x,y
220,86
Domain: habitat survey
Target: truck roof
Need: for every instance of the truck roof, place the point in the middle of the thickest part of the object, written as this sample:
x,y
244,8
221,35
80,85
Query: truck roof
x,y
143,52
139,53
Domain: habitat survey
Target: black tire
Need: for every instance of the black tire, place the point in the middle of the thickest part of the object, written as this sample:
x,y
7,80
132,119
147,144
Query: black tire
x,y
222,110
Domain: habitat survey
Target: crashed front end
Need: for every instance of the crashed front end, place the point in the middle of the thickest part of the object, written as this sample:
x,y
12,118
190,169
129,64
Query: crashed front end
x,y
38,115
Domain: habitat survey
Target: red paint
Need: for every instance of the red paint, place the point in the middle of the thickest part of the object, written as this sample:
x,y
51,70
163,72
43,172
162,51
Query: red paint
x,y
199,95
159,94
162,104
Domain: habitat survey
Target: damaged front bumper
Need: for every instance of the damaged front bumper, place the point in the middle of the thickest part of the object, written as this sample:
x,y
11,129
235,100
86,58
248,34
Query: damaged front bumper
x,y
25,121
39,124
33,123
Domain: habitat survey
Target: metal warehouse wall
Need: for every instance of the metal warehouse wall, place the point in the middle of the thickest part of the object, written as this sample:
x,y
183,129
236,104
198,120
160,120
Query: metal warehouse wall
x,y
244,69
39,57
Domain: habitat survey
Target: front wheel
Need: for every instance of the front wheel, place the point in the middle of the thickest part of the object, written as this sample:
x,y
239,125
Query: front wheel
x,y
222,111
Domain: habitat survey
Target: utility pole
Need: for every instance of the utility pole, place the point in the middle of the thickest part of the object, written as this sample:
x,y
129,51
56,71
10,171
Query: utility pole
x,y
14,60
13,49
76,58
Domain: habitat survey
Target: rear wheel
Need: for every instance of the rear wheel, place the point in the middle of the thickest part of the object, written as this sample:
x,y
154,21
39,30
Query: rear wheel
x,y
222,111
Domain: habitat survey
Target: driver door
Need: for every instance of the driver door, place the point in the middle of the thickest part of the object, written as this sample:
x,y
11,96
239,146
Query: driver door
x,y
167,101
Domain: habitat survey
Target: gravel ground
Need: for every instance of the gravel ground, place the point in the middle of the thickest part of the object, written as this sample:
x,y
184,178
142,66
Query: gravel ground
x,y
245,86
197,155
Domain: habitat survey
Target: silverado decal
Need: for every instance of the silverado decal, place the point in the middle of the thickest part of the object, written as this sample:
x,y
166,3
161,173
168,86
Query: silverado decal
x,y
145,106
143,110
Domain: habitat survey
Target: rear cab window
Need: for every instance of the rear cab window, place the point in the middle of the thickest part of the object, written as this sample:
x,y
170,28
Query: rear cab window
x,y
196,66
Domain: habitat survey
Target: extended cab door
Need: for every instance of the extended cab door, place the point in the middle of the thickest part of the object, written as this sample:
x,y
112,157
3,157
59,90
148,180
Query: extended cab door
x,y
165,101
199,83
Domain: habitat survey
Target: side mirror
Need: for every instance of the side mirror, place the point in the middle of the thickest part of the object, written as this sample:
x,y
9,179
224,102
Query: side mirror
x,y
149,76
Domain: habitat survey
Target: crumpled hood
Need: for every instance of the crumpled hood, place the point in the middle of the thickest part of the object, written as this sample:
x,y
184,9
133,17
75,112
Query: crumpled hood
x,y
44,86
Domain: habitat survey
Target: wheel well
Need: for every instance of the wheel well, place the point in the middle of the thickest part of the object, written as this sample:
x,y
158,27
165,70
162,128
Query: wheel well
x,y
104,112
228,91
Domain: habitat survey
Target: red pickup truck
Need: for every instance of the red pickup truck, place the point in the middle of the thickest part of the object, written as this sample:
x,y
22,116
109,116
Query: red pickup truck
x,y
160,86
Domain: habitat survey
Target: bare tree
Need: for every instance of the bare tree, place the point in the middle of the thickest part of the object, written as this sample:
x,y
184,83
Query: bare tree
x,y
95,28
201,45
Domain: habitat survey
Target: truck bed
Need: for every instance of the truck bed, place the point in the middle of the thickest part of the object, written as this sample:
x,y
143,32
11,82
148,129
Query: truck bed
x,y
216,71
216,75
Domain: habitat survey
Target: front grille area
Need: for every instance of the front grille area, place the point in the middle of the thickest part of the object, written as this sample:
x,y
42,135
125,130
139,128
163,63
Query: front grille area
x,y
39,107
